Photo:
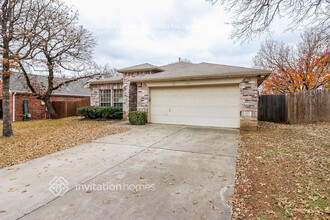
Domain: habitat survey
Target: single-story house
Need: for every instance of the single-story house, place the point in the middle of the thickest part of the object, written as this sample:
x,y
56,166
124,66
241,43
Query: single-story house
x,y
19,93
201,94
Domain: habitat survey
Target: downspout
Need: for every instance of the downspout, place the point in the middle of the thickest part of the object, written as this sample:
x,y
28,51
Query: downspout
x,y
14,106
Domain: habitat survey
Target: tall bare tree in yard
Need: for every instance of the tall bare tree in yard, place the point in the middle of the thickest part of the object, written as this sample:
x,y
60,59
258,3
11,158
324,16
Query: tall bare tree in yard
x,y
15,44
253,17
305,66
62,48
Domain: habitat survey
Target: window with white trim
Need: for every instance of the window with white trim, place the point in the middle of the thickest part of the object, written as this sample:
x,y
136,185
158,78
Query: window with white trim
x,y
112,97
105,97
118,98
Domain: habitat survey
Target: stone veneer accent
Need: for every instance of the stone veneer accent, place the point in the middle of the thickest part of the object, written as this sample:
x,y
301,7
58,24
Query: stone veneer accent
x,y
249,103
142,97
95,91
133,93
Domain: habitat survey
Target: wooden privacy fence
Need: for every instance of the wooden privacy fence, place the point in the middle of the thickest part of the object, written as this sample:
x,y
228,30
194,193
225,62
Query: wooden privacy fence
x,y
68,109
301,107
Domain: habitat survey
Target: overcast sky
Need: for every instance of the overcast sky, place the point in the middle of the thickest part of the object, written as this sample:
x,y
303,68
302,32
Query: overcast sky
x,y
131,32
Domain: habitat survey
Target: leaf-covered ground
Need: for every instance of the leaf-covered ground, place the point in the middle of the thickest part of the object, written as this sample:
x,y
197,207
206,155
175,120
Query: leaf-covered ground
x,y
38,138
283,171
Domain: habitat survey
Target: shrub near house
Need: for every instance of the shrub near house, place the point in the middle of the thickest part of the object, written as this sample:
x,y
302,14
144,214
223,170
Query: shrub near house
x,y
138,118
99,112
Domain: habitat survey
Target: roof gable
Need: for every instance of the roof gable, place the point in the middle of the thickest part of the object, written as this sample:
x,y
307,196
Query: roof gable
x,y
140,68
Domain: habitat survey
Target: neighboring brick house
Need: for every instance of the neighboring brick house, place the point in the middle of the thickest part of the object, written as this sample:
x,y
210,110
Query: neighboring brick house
x,y
75,91
202,94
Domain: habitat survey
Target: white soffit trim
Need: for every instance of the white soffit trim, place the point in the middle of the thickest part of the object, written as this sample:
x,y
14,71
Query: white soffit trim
x,y
226,81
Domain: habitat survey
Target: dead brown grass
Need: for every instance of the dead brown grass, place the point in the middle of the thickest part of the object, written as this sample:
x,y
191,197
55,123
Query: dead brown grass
x,y
283,172
38,138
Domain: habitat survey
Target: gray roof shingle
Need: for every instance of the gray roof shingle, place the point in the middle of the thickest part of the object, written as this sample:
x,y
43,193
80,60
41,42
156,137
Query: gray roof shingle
x,y
113,79
77,88
141,67
185,71
199,70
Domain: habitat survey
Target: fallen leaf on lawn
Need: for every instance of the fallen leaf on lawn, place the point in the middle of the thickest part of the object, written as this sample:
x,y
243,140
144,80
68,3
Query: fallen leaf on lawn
x,y
138,195
42,137
88,191
211,201
250,207
177,192
204,217
214,207
1,211
141,178
219,212
24,191
106,201
72,204
194,202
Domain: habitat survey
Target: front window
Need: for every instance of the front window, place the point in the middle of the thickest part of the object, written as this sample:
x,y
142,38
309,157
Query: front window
x,y
110,97
118,98
105,97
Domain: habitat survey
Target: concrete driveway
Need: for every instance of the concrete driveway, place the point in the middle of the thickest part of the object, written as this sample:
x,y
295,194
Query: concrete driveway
x,y
178,172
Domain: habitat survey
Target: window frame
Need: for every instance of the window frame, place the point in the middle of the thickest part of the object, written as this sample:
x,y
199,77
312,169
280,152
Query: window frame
x,y
112,95
109,97
117,93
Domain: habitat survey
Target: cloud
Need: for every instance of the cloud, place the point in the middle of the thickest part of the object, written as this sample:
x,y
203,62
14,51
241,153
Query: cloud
x,y
132,32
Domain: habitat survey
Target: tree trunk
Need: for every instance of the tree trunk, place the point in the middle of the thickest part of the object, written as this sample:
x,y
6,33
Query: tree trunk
x,y
50,108
7,129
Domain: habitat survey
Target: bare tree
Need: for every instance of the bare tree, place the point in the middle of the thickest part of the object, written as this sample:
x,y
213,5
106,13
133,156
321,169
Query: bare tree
x,y
62,48
105,71
16,43
254,17
301,67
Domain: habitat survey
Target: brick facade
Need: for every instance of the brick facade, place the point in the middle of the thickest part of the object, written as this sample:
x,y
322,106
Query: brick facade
x,y
136,97
133,94
249,103
0,89
36,107
95,91
142,97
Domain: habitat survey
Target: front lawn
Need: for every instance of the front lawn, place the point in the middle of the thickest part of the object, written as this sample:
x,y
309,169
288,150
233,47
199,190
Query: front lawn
x,y
38,138
283,171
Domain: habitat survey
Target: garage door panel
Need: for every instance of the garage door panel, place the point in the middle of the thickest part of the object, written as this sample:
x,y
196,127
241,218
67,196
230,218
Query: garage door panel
x,y
196,101
194,111
206,106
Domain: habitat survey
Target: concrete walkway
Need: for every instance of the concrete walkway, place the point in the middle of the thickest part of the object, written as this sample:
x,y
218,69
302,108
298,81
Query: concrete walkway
x,y
180,172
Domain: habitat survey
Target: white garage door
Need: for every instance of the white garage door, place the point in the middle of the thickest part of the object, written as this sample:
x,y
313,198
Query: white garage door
x,y
205,106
